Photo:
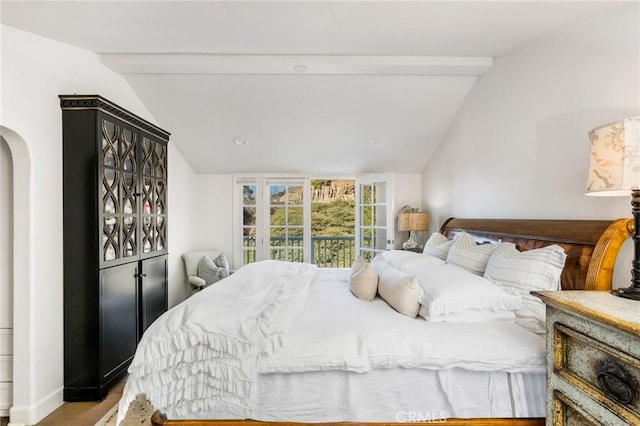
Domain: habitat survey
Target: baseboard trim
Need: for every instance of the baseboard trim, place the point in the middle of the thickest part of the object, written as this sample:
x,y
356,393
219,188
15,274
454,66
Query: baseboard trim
x,y
21,416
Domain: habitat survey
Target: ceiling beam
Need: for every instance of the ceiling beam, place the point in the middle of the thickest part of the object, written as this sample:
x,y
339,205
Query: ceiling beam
x,y
297,64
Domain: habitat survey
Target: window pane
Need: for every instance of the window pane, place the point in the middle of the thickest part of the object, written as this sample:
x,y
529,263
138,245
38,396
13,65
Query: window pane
x,y
368,255
294,195
278,254
380,215
294,216
249,194
381,239
380,193
365,216
296,232
277,231
278,216
248,256
249,216
366,239
366,194
248,237
295,255
277,194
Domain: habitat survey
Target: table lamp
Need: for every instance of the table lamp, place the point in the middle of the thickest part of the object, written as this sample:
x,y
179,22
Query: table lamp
x,y
614,170
413,221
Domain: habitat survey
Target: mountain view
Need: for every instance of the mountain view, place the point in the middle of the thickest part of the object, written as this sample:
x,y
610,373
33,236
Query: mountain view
x,y
332,222
333,207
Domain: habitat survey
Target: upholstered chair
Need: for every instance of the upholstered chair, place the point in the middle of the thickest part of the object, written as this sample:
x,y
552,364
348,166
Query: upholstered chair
x,y
205,267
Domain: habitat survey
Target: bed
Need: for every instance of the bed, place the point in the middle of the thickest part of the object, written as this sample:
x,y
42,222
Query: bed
x,y
286,389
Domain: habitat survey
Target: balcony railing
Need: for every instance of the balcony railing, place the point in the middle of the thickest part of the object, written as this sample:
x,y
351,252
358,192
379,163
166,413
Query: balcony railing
x,y
328,251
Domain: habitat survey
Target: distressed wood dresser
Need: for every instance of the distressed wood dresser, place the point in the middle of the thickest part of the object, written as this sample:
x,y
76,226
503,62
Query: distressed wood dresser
x,y
593,358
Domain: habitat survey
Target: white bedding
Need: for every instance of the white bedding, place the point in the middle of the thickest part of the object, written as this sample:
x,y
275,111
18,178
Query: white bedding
x,y
335,333
398,395
202,354
340,332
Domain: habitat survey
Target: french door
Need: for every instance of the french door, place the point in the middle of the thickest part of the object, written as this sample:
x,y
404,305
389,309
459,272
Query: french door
x,y
273,218
374,215
276,220
287,219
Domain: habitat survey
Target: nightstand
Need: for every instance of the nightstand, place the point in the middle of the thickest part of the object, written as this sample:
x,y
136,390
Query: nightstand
x,y
593,358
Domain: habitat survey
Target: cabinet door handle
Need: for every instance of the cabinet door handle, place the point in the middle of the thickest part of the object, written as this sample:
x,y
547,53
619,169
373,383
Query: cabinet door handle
x,y
140,275
615,381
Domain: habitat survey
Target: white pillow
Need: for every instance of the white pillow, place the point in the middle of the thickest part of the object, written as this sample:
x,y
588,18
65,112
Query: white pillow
x,y
449,289
363,280
399,289
437,245
467,254
401,258
519,273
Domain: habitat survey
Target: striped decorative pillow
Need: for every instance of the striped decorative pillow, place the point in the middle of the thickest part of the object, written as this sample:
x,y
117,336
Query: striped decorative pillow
x,y
519,273
468,255
437,245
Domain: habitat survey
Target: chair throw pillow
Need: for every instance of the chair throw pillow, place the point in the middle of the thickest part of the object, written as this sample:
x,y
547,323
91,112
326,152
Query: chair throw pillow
x,y
363,280
213,270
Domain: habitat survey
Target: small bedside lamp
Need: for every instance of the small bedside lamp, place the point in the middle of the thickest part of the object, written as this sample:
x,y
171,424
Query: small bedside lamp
x,y
615,171
412,221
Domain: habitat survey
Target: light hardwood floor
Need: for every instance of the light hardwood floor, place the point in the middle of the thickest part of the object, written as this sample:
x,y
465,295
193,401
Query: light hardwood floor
x,y
80,413
83,413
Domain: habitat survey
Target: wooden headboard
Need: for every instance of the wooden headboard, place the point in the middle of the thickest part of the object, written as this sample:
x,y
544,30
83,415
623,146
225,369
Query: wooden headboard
x,y
591,245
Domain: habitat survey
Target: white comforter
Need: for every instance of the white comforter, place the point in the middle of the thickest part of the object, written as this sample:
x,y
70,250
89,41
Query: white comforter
x,y
205,354
202,354
337,331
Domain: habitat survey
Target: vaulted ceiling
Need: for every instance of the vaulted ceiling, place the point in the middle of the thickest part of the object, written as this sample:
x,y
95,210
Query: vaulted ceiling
x,y
321,87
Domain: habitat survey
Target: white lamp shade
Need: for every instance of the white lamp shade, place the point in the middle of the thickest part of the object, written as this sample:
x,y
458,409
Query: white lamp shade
x,y
615,158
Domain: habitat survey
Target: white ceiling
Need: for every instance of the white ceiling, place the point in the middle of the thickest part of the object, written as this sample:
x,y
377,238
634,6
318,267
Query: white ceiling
x,y
381,83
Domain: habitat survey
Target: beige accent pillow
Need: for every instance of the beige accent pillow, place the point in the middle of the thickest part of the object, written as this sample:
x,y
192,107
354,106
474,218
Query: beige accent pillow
x,y
399,289
363,280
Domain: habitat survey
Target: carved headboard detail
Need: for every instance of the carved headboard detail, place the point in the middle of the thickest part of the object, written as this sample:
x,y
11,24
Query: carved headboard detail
x,y
591,245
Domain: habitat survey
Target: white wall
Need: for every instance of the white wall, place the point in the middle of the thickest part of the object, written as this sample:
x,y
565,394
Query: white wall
x,y
214,209
181,194
35,71
6,278
519,146
214,213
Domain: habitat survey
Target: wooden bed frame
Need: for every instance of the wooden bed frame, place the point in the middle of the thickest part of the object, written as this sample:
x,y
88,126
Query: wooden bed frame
x,y
591,246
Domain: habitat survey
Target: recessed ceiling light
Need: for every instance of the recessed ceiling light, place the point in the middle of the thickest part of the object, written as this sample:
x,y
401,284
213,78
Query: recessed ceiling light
x,y
239,141
300,69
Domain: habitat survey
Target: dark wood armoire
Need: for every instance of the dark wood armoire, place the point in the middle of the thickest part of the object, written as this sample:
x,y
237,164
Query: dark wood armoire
x,y
115,239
